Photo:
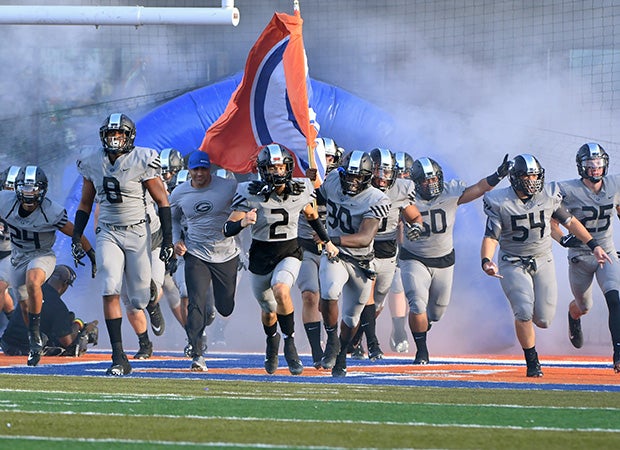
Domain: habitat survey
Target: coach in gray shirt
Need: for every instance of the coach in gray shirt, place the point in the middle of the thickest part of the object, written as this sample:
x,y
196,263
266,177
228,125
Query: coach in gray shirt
x,y
203,204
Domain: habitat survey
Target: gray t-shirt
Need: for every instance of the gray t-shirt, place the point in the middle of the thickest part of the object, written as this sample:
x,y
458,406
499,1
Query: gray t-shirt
x,y
200,214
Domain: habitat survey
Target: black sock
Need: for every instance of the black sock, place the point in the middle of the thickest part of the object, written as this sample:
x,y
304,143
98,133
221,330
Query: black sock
x,y
530,354
271,330
116,336
143,338
369,318
613,304
287,324
420,341
34,324
313,331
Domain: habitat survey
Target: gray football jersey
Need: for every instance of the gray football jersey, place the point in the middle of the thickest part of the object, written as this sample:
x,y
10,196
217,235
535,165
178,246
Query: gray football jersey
x,y
119,188
200,215
595,211
438,215
305,230
522,228
401,195
277,219
35,232
345,213
151,212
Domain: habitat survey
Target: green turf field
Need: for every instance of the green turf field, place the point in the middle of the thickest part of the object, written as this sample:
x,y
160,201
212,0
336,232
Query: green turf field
x,y
95,412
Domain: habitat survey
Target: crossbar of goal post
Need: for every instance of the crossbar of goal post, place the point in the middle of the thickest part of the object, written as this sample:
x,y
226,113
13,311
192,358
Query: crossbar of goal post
x,y
118,15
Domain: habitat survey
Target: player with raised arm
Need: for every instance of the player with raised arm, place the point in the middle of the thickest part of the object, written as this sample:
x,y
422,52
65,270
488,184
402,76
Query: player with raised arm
x,y
117,176
272,207
519,221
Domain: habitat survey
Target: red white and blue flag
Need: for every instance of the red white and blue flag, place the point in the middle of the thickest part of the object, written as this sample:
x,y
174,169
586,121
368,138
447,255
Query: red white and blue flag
x,y
271,104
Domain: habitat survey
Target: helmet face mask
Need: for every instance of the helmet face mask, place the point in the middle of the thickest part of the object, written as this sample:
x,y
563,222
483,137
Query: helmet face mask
x,y
117,134
527,176
383,168
427,176
590,159
355,172
275,165
31,185
404,162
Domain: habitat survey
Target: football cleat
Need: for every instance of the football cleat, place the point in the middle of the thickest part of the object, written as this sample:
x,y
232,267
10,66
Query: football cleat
x,y
145,351
199,364
271,353
357,351
120,366
533,368
158,325
421,358
332,348
575,334
292,358
36,348
374,352
340,367
399,347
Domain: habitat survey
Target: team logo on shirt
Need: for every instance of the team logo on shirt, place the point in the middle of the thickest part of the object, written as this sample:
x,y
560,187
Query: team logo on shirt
x,y
203,207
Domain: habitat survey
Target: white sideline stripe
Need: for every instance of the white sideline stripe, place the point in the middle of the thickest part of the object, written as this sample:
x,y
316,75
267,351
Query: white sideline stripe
x,y
106,397
343,422
180,443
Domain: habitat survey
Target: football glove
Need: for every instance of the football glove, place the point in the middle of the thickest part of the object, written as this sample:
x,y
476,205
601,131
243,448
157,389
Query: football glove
x,y
414,231
295,188
166,252
93,262
504,167
77,251
259,188
171,266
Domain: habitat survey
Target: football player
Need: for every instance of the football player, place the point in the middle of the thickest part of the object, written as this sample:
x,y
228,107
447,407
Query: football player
x,y
593,198
271,207
33,220
7,181
118,175
519,221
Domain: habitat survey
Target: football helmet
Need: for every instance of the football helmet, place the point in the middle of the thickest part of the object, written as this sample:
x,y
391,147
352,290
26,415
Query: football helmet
x,y
592,156
404,161
181,177
171,161
524,165
31,185
427,176
383,168
269,156
355,172
226,174
8,177
116,144
330,149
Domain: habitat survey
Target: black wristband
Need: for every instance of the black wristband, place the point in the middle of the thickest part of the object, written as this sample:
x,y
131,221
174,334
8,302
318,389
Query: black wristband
x,y
165,217
81,219
592,244
319,229
335,240
493,179
484,261
232,228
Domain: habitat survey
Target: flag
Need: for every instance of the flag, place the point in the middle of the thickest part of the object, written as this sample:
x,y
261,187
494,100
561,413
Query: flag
x,y
271,104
